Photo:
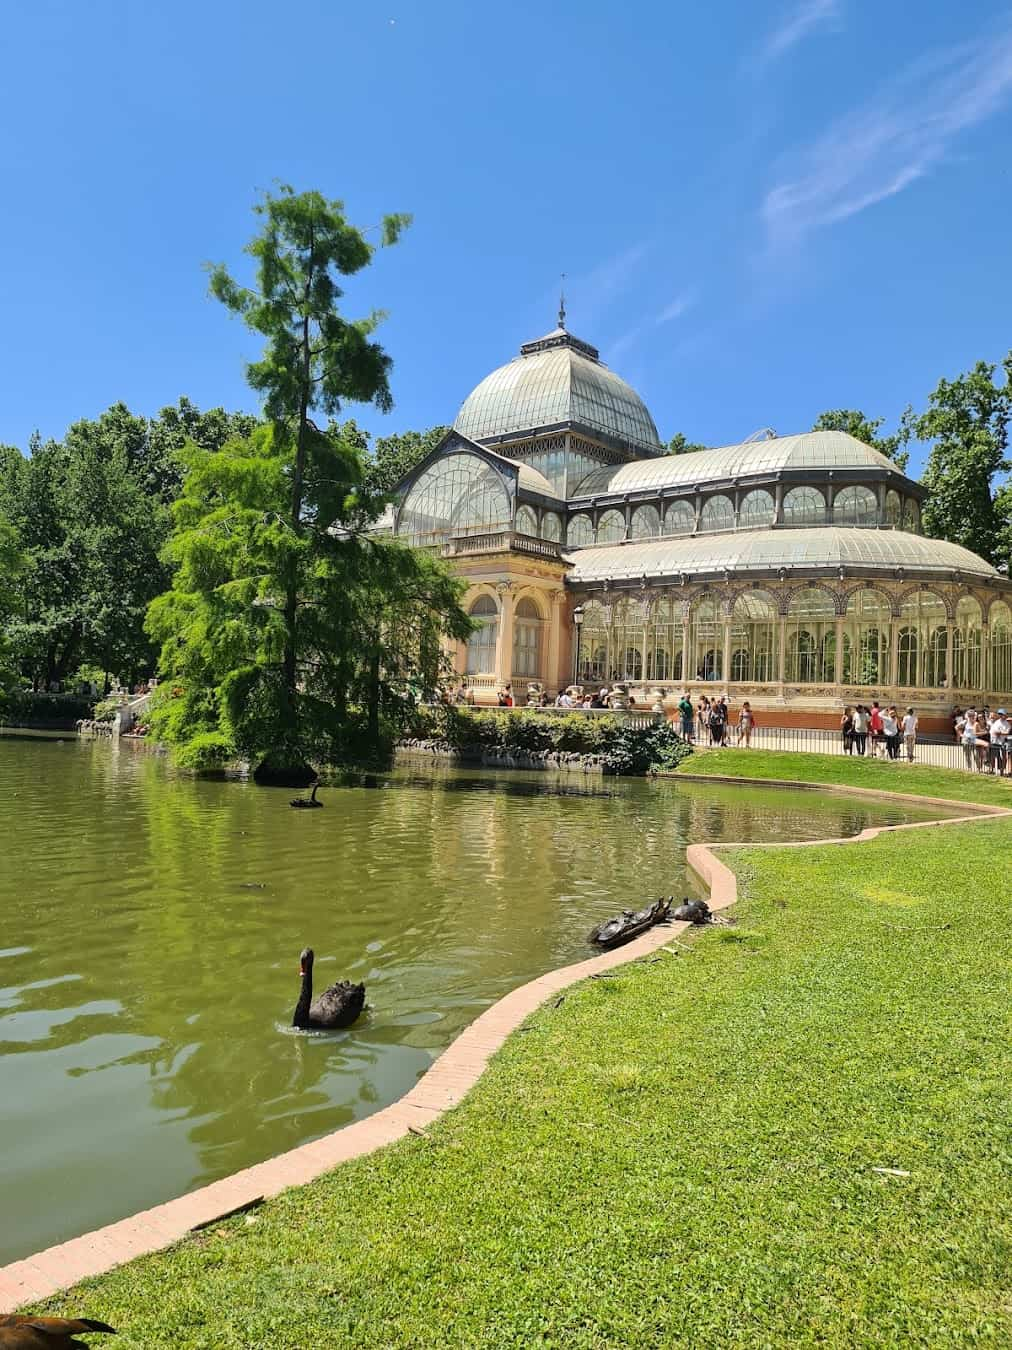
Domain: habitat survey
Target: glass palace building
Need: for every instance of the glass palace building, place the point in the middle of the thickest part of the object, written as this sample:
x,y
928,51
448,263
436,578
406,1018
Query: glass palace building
x,y
790,570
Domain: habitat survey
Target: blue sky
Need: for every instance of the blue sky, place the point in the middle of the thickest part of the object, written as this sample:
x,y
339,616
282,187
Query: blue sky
x,y
763,210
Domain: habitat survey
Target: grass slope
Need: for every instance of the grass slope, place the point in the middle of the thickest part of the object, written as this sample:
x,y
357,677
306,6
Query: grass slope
x,y
682,1153
853,771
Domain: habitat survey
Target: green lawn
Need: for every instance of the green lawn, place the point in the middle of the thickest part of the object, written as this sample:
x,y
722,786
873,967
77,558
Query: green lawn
x,y
684,1152
851,771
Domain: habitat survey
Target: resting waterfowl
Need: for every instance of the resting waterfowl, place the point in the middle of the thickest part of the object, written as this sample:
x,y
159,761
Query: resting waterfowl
x,y
306,803
48,1333
336,1007
695,911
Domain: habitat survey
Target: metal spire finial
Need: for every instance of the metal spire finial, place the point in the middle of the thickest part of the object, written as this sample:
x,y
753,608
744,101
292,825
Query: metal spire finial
x,y
562,302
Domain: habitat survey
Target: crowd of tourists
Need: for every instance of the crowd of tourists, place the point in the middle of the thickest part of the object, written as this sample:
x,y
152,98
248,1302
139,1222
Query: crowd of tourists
x,y
878,732
709,722
985,739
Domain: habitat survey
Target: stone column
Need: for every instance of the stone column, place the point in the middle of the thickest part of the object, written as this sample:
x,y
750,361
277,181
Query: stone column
x,y
554,676
894,652
504,650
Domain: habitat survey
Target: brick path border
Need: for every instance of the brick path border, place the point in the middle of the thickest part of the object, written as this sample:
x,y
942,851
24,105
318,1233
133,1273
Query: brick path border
x,y
443,1086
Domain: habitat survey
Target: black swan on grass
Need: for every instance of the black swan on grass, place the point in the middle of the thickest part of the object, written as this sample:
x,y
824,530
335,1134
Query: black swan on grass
x,y
336,1007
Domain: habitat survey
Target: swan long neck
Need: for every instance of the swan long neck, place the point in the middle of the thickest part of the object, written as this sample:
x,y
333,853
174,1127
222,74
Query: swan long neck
x,y
301,1016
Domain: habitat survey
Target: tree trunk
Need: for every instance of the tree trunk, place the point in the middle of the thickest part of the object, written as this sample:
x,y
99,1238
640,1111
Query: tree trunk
x,y
373,695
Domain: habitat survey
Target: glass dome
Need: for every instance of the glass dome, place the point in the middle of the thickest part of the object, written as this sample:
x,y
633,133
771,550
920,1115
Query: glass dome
x,y
557,380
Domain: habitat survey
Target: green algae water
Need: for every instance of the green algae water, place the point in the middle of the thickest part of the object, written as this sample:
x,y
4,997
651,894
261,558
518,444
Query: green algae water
x,y
150,929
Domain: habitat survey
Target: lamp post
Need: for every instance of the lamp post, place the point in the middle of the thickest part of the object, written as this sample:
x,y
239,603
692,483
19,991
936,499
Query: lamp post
x,y
578,623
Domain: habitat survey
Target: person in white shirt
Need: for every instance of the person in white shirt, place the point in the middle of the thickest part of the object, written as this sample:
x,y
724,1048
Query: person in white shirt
x,y
1001,729
860,728
910,733
968,738
891,732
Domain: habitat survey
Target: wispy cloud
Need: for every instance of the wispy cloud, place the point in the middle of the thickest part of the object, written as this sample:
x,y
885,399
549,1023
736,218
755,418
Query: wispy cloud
x,y
679,306
627,340
886,144
795,26
591,293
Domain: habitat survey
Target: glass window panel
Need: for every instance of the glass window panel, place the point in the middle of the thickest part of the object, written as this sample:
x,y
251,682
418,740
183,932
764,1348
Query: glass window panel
x,y
527,521
458,495
755,626
706,639
646,523
679,518
551,527
867,636
611,528
482,642
922,641
757,508
804,506
580,532
966,663
855,506
810,654
526,639
894,509
717,514
1001,650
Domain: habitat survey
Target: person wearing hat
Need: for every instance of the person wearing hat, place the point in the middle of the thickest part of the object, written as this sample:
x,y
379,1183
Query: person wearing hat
x,y
1000,731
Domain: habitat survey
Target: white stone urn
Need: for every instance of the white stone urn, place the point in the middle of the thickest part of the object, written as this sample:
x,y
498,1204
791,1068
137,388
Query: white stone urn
x,y
534,691
618,699
657,700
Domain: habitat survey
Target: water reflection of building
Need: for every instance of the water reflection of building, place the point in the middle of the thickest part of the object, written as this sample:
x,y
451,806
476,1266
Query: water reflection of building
x,y
789,570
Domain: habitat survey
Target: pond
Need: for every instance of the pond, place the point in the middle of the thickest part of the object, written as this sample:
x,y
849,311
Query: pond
x,y
151,929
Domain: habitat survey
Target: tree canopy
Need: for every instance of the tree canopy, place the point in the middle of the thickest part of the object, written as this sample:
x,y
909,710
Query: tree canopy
x,y
678,445
866,429
967,422
393,457
291,630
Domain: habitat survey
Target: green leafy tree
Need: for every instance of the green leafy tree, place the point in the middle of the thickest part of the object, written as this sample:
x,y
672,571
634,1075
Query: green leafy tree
x,y
967,422
287,623
178,424
394,457
678,445
866,429
10,568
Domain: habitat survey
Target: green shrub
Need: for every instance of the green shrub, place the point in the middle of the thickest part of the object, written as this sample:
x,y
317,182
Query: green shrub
x,y
206,752
21,705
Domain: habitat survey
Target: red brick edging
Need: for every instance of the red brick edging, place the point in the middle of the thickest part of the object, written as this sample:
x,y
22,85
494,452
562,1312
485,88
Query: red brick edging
x,y
445,1084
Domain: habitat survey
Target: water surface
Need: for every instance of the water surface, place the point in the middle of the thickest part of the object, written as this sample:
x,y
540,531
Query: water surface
x,y
150,928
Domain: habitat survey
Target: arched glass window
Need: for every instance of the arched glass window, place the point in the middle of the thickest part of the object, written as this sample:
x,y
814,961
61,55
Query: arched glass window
x,y
717,514
966,672
526,639
527,521
1001,650
866,638
907,646
855,506
458,495
611,528
664,641
580,533
804,506
551,527
482,642
810,657
646,523
679,518
757,508
921,641
755,624
706,640
894,508
595,636
911,516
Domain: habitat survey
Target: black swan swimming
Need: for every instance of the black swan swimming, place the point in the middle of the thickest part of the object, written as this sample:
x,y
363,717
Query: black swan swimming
x,y
306,803
337,1006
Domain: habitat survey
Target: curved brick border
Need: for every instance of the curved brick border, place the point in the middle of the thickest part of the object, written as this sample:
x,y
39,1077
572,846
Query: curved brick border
x,y
445,1084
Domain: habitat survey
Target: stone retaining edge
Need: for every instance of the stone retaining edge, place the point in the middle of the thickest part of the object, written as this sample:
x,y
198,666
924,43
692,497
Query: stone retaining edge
x,y
444,1085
